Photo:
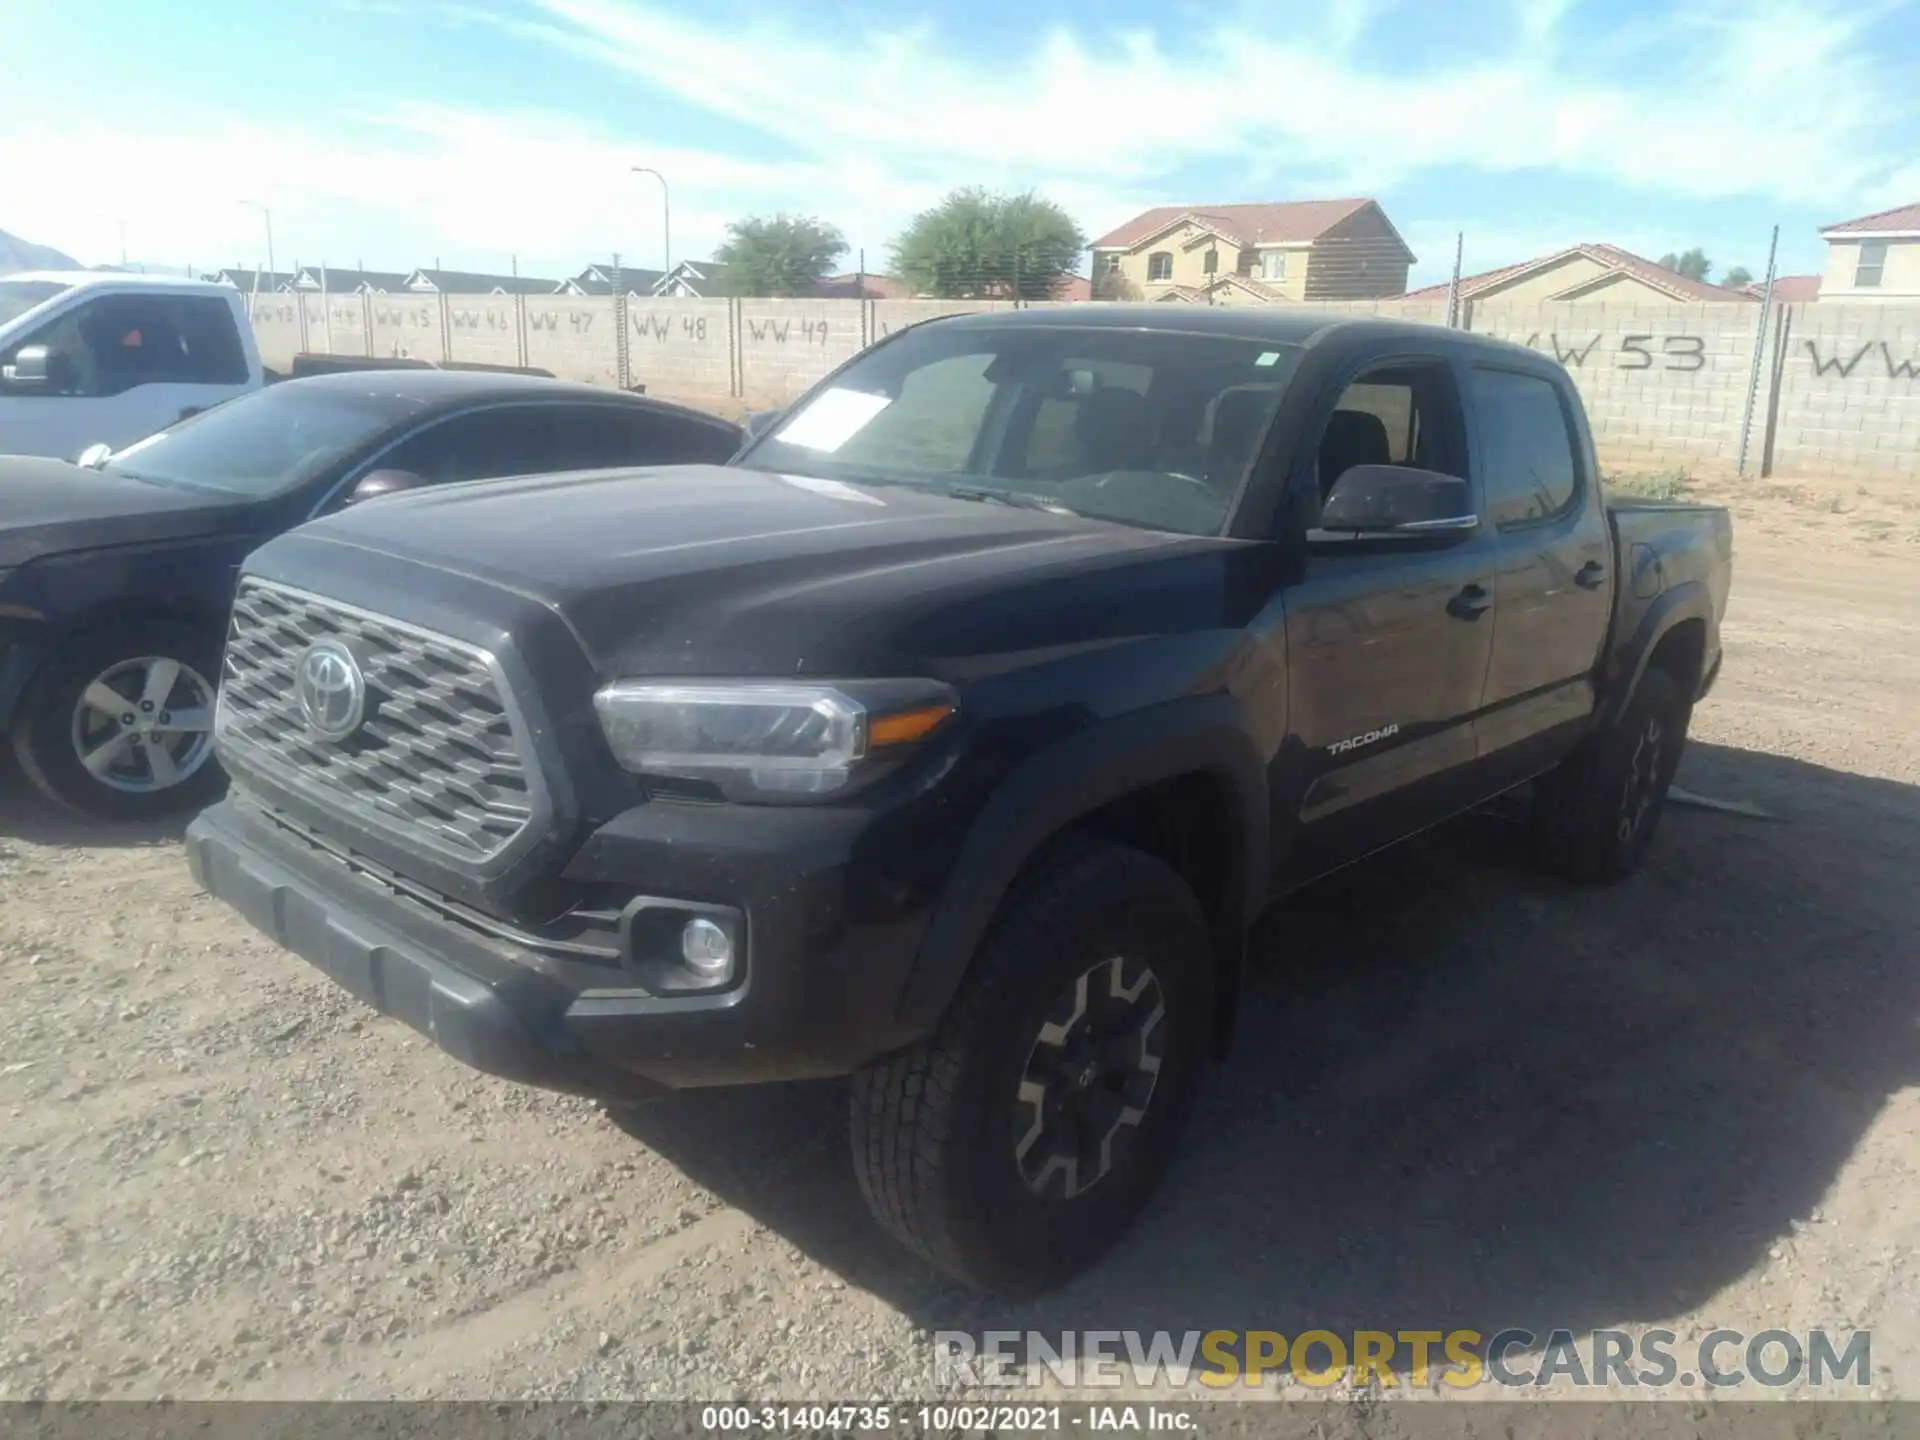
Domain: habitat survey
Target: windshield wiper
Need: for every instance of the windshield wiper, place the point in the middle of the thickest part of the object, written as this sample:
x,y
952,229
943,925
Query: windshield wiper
x,y
1004,497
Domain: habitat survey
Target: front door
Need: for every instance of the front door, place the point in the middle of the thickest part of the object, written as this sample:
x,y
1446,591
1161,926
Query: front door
x,y
1387,639
1556,574
122,366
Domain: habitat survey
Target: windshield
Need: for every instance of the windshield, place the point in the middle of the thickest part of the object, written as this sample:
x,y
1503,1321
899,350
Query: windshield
x,y
19,296
259,444
1154,428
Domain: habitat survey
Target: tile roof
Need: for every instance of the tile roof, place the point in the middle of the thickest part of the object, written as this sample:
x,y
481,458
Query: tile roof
x,y
475,282
1901,217
1611,257
1283,221
340,280
1787,289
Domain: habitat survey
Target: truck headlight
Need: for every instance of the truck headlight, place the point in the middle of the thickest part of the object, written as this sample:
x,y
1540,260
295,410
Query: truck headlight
x,y
768,741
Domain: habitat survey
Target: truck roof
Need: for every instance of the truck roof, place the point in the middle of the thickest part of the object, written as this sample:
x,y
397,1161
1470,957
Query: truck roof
x,y
115,280
1281,324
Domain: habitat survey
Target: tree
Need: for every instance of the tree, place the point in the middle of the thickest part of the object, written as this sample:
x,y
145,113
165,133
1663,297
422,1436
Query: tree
x,y
1113,285
779,254
1736,277
975,243
1694,264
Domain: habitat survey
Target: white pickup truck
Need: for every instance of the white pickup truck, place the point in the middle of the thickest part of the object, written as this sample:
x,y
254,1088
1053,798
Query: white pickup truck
x,y
99,357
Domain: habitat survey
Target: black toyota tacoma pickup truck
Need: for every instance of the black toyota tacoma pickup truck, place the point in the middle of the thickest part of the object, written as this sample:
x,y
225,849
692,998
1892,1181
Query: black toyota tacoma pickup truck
x,y
952,735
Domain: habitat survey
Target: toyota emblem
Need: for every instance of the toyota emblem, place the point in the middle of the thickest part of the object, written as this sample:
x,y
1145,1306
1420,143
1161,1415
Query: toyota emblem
x,y
331,690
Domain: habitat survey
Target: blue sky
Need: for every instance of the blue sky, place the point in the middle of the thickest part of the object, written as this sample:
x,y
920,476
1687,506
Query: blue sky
x,y
398,132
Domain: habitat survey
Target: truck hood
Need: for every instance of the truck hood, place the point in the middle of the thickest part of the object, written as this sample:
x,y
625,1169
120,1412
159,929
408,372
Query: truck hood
x,y
52,507
730,571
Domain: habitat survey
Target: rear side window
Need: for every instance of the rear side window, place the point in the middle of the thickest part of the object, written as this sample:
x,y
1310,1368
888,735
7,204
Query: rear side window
x,y
481,445
594,437
1528,467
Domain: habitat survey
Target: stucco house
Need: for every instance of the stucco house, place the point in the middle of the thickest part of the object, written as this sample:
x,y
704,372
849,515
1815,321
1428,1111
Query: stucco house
x,y
1596,274
1876,257
1259,254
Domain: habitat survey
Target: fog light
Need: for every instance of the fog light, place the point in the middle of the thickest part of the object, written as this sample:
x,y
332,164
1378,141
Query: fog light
x,y
707,949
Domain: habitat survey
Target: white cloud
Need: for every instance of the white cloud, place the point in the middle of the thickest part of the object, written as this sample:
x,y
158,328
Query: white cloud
x,y
1778,99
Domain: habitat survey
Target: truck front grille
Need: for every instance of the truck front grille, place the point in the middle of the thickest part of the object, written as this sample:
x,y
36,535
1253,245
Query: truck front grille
x,y
436,757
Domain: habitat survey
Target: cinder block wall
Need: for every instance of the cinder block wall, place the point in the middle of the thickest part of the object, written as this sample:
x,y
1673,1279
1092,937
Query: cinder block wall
x,y
681,347
483,329
406,327
1849,390
1665,385
573,337
786,345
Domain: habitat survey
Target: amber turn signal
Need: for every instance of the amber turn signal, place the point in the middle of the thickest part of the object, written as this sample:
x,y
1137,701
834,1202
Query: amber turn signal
x,y
906,726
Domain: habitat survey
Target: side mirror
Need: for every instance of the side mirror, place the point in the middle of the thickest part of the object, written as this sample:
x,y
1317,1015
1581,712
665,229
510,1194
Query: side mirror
x,y
95,456
761,421
375,483
1396,500
34,367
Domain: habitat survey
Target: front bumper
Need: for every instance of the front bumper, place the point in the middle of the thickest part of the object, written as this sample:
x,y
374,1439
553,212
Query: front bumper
x,y
816,999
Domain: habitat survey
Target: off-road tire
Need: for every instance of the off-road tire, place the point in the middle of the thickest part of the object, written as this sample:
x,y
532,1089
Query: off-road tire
x,y
43,740
933,1126
1594,818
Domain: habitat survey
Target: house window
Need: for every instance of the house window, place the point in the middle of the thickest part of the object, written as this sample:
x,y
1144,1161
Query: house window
x,y
1872,264
1273,265
1113,264
1160,265
1213,262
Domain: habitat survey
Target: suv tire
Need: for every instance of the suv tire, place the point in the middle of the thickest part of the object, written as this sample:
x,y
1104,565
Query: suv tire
x,y
1015,1145
1594,818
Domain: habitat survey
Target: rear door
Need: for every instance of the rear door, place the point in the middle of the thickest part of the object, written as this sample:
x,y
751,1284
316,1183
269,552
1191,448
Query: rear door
x,y
1555,567
1387,638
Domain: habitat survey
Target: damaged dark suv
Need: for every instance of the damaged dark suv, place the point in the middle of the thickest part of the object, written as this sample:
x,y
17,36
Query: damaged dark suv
x,y
952,736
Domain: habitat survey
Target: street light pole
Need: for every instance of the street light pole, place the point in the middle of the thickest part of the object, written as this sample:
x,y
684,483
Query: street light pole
x,y
266,215
666,216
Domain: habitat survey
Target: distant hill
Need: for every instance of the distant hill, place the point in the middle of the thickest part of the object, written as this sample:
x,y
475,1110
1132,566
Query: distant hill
x,y
18,254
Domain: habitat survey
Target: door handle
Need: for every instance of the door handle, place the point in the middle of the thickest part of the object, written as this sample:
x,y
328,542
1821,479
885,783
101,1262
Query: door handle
x,y
1590,576
1470,604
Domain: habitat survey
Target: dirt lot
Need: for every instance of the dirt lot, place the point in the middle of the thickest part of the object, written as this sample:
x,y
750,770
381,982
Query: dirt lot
x,y
1474,1098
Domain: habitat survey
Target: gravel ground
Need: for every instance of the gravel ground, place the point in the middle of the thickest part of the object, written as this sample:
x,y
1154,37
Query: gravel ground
x,y
1471,1097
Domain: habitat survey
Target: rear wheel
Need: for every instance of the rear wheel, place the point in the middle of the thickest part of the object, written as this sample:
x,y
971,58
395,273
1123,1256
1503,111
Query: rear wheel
x,y
1594,818
119,725
1015,1145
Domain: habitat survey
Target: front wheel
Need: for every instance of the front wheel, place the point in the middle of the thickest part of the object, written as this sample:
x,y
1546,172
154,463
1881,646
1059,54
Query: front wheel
x,y
1594,818
119,725
1015,1145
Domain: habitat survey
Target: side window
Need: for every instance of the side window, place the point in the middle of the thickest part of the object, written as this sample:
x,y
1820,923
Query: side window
x,y
1872,265
1400,414
481,445
1528,464
596,437
212,341
117,342
934,423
